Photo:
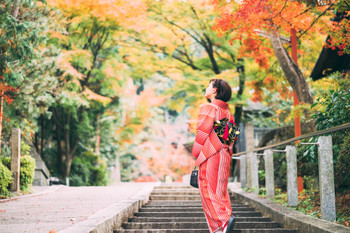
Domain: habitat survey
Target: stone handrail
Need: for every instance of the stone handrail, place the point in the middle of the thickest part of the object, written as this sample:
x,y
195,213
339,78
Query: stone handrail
x,y
249,170
317,133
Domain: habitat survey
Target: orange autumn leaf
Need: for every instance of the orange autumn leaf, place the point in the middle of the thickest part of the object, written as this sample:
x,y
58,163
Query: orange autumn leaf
x,y
122,12
90,95
248,20
149,97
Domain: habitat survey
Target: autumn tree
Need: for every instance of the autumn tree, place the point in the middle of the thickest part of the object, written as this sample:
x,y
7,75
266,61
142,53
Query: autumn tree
x,y
182,32
85,95
26,62
338,30
274,18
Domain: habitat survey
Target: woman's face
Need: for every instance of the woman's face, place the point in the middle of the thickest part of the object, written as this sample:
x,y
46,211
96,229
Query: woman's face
x,y
210,92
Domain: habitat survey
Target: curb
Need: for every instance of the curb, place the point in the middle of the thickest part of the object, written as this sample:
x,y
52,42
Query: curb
x,y
49,190
288,217
112,217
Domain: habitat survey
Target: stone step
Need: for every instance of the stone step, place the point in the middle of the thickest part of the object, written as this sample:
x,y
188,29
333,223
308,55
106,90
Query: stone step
x,y
193,214
175,192
175,197
184,203
197,225
174,187
188,209
195,219
178,209
273,230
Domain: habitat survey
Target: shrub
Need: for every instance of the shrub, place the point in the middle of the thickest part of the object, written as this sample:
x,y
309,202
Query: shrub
x,y
5,179
280,170
333,109
27,170
76,180
88,169
79,174
343,164
6,161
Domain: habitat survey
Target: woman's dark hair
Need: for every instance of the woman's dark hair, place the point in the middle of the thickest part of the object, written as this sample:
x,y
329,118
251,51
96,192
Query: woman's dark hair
x,y
223,90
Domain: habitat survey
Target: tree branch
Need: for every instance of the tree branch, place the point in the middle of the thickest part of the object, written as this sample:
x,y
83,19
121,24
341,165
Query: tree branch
x,y
284,6
181,28
312,24
198,20
290,69
72,152
189,63
55,117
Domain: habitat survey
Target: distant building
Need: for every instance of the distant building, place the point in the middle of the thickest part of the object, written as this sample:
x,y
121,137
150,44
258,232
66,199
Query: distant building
x,y
330,61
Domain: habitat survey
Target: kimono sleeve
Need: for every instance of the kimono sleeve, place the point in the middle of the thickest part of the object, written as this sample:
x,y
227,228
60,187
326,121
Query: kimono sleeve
x,y
205,125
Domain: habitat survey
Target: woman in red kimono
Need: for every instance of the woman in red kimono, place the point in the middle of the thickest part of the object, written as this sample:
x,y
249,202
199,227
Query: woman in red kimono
x,y
214,159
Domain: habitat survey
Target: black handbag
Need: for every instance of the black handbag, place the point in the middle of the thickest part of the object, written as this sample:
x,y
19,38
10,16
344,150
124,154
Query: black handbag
x,y
194,178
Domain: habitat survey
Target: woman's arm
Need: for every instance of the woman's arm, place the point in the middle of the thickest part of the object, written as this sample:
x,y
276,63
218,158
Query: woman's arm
x,y
205,125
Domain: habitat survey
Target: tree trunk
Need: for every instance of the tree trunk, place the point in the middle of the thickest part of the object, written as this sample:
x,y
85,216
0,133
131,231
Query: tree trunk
x,y
1,114
42,135
68,160
238,113
15,8
98,135
67,163
239,109
210,52
290,69
267,137
69,151
58,128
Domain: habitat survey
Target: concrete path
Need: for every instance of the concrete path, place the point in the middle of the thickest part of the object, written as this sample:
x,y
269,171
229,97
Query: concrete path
x,y
56,208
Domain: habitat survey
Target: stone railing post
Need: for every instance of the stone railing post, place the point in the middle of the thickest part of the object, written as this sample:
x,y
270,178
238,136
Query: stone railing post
x,y
249,170
269,174
249,138
326,178
292,186
15,158
243,170
254,172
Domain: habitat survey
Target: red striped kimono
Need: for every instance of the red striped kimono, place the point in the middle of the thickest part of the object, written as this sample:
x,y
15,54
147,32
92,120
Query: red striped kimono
x,y
214,161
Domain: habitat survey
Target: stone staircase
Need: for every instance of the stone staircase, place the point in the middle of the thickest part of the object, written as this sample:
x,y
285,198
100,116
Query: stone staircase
x,y
175,208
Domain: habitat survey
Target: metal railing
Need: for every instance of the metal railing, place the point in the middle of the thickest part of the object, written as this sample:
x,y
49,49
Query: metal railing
x,y
249,169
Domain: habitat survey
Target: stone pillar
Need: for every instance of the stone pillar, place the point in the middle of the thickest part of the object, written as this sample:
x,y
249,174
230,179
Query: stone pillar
x,y
326,178
249,173
269,174
15,158
243,170
292,186
254,172
116,171
249,135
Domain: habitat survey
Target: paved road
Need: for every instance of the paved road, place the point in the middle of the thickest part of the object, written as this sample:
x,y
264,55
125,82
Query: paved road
x,y
55,208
